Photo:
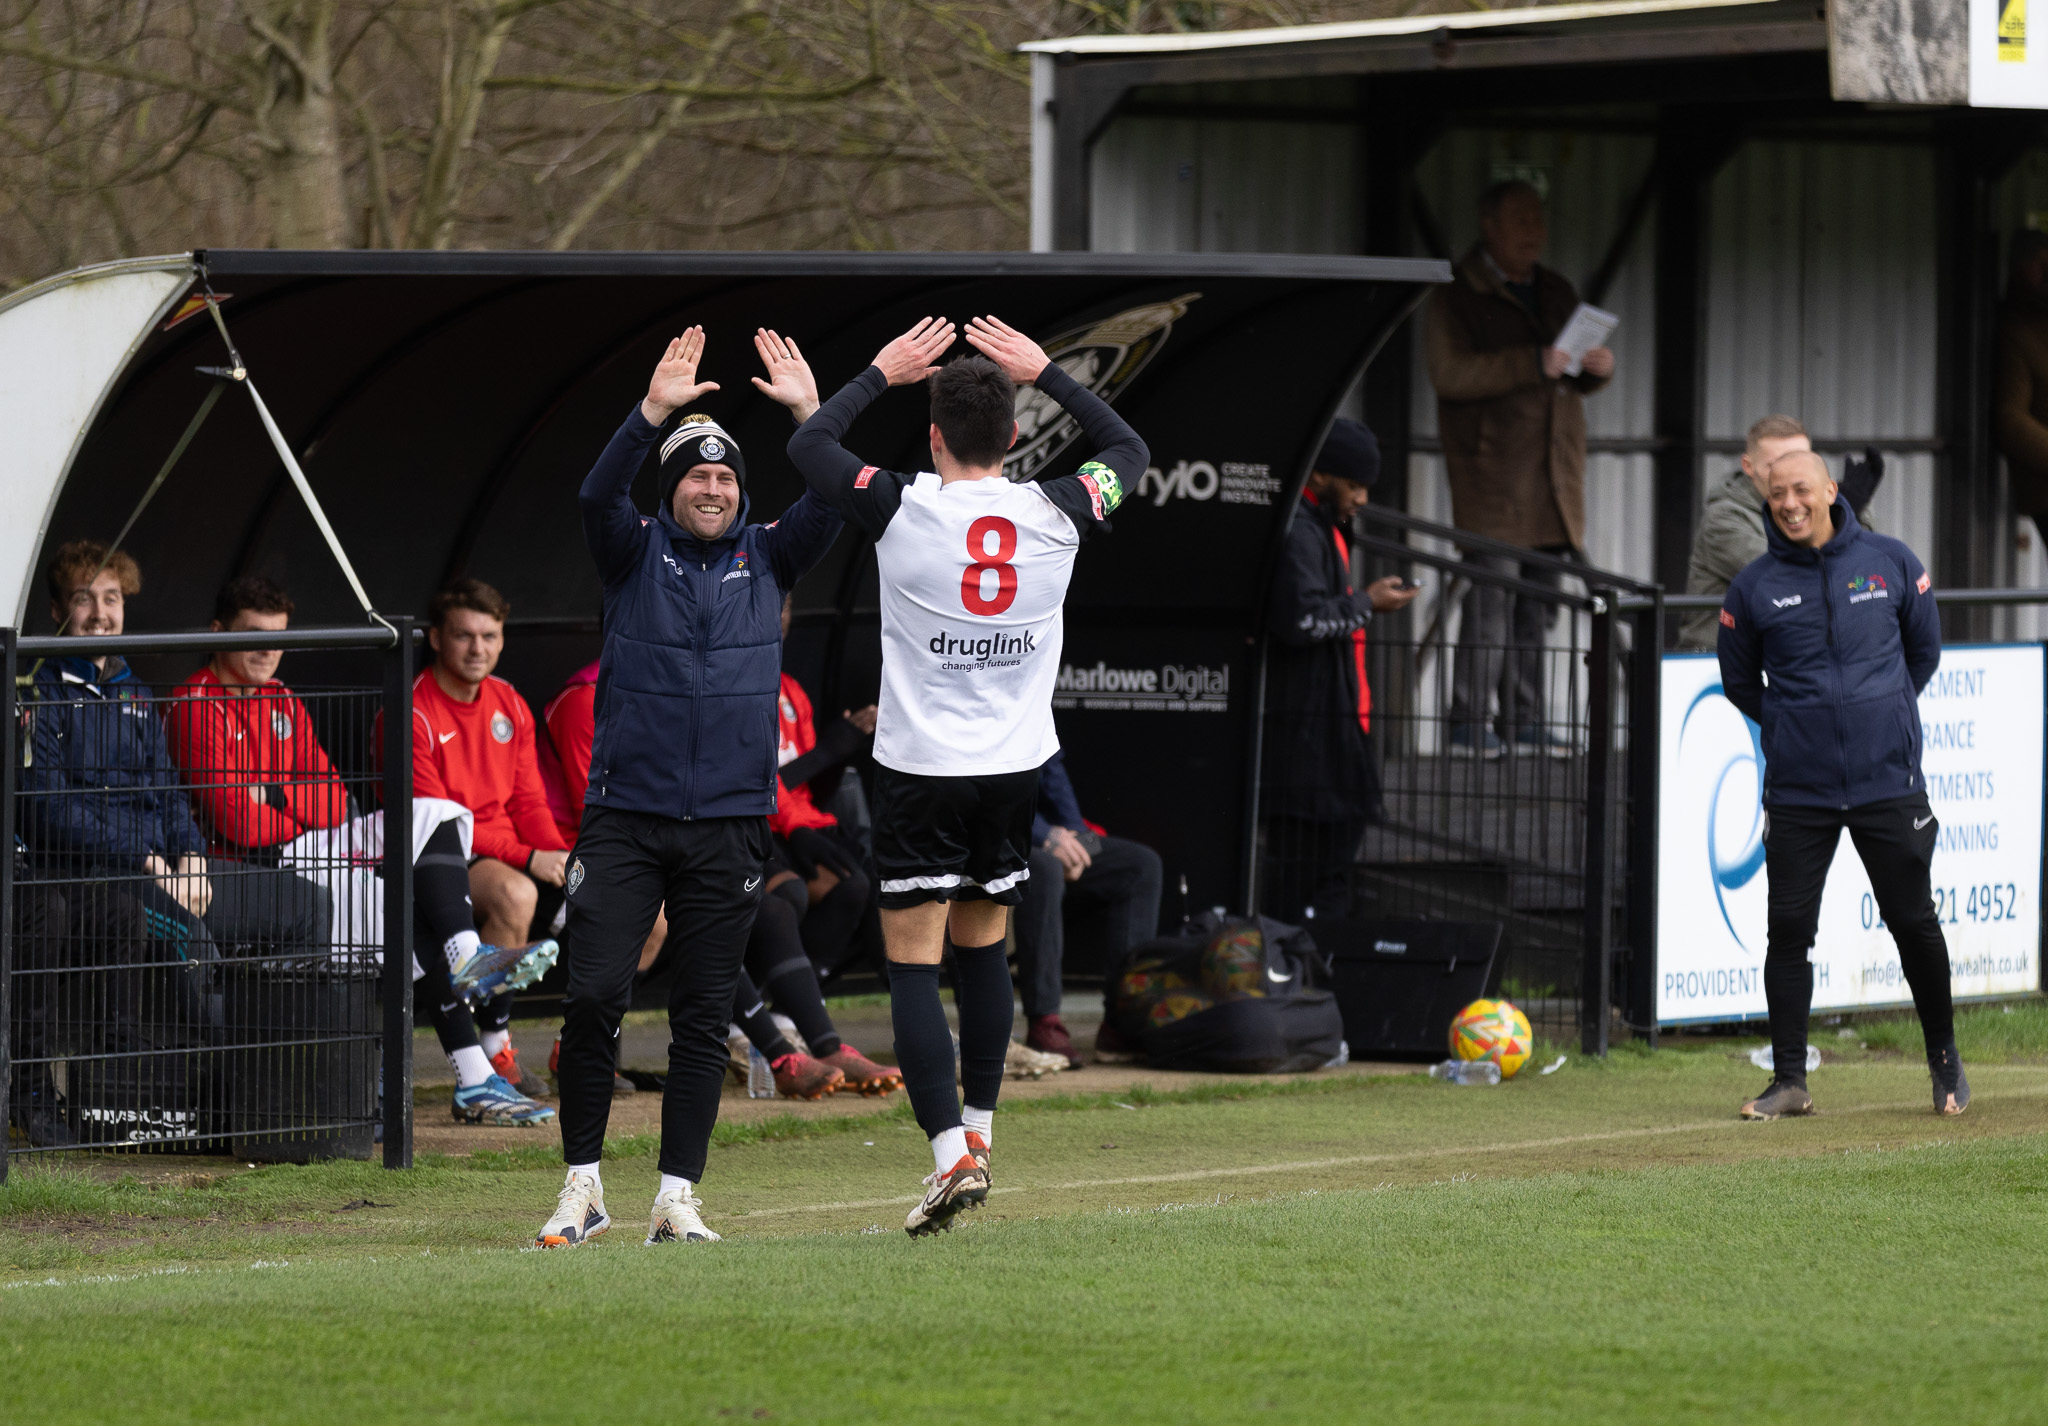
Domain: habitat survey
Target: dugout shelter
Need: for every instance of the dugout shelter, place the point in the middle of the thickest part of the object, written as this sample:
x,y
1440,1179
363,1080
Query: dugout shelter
x,y
444,408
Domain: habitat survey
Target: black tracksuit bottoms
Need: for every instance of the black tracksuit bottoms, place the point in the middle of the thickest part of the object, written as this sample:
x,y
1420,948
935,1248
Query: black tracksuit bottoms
x,y
1896,840
626,865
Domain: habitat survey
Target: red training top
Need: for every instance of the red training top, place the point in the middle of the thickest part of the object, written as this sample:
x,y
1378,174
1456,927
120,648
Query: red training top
x,y
570,720
482,755
795,736
229,745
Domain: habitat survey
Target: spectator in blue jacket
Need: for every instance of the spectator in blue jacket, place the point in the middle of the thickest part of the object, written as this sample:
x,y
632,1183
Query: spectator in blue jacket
x,y
1074,868
1842,624
682,768
102,797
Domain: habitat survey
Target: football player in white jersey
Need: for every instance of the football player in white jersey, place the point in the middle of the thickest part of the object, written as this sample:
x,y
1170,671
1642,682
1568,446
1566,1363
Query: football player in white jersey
x,y
974,572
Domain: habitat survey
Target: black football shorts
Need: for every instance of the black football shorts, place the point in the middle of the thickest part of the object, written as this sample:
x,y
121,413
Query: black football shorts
x,y
953,838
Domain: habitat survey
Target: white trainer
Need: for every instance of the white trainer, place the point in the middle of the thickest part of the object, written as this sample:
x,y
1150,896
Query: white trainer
x,y
676,1219
579,1214
963,1186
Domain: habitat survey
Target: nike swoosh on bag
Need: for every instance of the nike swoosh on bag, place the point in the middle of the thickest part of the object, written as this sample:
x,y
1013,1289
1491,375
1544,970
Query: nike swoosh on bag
x,y
1920,822
1276,976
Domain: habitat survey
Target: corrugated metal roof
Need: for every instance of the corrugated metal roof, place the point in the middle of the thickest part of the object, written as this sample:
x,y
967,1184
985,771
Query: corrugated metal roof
x,y
1207,185
1366,29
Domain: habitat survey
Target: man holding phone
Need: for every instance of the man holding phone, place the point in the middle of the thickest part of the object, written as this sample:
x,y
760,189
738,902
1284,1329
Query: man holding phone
x,y
1321,784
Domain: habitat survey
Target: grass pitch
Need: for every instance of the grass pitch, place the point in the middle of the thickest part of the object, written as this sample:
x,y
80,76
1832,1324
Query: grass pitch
x,y
1605,1243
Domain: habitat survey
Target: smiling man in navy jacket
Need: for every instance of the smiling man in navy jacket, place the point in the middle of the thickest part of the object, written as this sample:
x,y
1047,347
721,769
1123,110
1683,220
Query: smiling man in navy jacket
x,y
682,768
1842,623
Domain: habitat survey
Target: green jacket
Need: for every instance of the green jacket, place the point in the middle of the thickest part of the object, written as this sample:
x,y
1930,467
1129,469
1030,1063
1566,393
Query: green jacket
x,y
1731,534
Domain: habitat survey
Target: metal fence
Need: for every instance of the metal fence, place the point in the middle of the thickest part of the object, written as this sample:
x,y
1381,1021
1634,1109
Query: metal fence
x,y
1513,726
202,909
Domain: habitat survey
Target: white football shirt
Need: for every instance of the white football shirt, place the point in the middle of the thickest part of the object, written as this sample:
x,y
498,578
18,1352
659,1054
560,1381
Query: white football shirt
x,y
973,577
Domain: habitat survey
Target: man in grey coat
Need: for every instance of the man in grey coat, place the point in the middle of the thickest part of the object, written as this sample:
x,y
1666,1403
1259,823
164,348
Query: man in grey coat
x,y
1731,532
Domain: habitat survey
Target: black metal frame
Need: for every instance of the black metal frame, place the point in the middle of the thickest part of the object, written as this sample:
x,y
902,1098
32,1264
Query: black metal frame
x,y
396,639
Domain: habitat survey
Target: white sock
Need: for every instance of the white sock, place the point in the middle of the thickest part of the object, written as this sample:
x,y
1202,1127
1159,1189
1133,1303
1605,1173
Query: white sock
x,y
949,1146
472,1066
590,1169
460,947
669,1182
981,1121
495,1041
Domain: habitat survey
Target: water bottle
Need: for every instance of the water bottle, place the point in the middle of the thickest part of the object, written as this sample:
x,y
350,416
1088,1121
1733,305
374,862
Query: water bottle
x,y
1466,1072
760,1075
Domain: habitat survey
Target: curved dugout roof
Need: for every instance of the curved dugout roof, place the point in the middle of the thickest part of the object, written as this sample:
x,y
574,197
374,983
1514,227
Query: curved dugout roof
x,y
445,407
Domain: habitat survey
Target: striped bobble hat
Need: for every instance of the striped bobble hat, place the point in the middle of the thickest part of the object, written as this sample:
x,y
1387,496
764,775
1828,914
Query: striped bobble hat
x,y
698,440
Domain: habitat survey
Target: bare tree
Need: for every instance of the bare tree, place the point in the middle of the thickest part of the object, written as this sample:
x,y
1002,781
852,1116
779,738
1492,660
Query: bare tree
x,y
149,125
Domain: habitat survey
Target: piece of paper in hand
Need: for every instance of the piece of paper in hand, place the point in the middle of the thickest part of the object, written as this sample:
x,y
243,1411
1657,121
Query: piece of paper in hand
x,y
1588,327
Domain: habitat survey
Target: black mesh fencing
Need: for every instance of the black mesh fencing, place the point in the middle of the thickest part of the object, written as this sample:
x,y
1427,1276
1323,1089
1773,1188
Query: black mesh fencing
x,y
1504,776
196,917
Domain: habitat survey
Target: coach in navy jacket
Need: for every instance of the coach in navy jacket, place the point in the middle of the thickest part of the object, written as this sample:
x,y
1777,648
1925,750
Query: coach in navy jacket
x,y
1849,636
692,659
1842,624
682,770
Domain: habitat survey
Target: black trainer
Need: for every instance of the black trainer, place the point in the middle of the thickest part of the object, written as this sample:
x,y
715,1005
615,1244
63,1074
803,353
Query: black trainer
x,y
1945,1066
1780,1098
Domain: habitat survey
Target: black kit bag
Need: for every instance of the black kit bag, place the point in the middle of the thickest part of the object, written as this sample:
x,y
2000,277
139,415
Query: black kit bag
x,y
1231,996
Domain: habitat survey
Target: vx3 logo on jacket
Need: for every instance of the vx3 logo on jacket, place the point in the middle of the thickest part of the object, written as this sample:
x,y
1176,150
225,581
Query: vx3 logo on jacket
x,y
1735,853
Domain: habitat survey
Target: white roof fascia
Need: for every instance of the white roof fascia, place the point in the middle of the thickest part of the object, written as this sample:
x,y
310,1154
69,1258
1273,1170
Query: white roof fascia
x,y
1368,29
64,343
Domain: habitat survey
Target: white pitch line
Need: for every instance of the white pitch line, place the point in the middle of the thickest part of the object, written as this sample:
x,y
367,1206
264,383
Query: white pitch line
x,y
1349,1160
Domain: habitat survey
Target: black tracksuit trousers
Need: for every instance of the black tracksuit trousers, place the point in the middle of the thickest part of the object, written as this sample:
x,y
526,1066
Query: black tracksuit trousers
x,y
707,873
1896,840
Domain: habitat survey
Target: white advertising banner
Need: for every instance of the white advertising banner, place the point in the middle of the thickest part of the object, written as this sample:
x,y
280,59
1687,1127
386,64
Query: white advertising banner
x,y
1981,720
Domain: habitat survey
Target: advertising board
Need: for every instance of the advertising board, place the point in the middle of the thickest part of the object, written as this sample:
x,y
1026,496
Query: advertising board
x,y
1981,727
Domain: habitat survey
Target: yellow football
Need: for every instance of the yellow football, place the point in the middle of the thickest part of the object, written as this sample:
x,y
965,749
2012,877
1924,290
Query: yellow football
x,y
1493,1030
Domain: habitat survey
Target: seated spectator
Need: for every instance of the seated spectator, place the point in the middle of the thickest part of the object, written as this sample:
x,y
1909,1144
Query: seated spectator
x,y
104,799
776,956
1075,867
474,745
1731,532
247,745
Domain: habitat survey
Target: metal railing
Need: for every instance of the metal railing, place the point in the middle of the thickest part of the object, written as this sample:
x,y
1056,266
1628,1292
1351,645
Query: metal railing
x,y
1514,709
202,909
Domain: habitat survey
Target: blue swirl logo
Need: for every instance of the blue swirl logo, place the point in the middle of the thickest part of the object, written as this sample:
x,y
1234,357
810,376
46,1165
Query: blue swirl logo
x,y
1734,871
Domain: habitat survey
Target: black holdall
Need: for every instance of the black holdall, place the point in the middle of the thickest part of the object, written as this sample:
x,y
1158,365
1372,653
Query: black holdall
x,y
1234,996
1399,984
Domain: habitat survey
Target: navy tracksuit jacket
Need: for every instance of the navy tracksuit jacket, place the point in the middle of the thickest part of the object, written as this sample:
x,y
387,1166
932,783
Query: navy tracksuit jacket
x,y
692,659
1848,635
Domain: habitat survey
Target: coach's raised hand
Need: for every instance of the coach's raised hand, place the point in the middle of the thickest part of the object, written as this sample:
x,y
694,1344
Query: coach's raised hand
x,y
1021,359
910,357
789,375
675,381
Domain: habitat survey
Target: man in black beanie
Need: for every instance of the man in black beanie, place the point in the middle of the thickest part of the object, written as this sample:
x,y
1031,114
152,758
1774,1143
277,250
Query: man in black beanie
x,y
1320,785
682,768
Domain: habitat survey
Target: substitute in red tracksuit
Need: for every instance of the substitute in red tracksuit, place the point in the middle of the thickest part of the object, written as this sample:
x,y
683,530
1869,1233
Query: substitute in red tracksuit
x,y
473,743
246,744
1320,786
569,728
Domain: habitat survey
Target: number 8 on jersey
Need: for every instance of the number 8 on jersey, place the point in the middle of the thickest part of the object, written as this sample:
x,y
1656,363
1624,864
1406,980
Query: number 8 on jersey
x,y
982,561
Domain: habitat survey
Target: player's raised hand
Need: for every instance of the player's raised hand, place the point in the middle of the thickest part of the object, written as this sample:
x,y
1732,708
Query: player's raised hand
x,y
911,356
789,375
675,383
1021,359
